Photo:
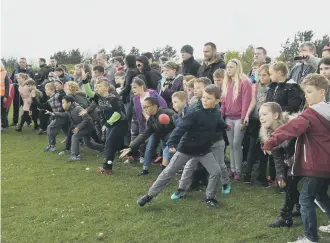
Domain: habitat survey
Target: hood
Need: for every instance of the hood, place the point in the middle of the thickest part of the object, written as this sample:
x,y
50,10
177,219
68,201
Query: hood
x,y
145,61
218,59
323,109
265,134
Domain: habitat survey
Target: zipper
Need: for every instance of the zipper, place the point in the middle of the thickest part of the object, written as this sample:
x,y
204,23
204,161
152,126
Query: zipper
x,y
294,156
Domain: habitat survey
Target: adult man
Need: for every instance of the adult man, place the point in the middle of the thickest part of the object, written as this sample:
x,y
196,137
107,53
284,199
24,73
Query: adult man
x,y
152,76
42,73
260,54
212,62
52,64
308,63
189,65
22,68
109,70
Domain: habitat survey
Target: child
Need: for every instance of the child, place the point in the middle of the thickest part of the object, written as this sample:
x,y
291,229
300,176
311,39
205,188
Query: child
x,y
259,93
25,92
98,72
282,91
254,78
140,118
236,98
59,87
312,154
81,126
115,120
325,71
173,82
161,131
192,139
271,117
218,77
186,80
119,80
190,92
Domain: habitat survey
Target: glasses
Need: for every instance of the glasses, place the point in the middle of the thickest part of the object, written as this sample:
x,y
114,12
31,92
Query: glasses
x,y
139,65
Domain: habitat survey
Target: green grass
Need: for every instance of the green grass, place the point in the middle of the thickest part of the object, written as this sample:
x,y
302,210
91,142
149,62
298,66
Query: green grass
x,y
47,199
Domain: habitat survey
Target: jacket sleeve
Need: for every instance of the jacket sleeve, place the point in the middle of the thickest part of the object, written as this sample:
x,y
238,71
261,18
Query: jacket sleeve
x,y
280,166
294,100
134,124
128,81
223,107
294,128
44,106
246,98
85,119
61,115
136,143
180,130
91,107
6,86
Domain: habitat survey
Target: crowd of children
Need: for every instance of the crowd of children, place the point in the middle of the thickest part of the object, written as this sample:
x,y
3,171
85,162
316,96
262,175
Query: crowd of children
x,y
192,112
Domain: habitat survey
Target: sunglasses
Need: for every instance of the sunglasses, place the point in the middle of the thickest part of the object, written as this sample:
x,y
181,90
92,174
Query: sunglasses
x,y
139,65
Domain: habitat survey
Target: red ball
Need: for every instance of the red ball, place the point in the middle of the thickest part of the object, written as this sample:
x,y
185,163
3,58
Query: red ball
x,y
164,119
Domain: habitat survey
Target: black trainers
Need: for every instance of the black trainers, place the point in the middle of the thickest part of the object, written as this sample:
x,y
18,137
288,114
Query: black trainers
x,y
19,129
278,223
144,200
212,203
143,173
247,178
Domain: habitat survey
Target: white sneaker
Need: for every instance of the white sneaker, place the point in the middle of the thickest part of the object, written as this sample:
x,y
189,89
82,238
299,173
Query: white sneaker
x,y
303,240
141,160
325,229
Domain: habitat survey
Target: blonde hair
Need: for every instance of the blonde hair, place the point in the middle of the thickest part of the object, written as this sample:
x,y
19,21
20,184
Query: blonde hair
x,y
219,73
72,87
50,86
316,80
29,81
181,95
280,66
23,76
274,108
187,78
238,77
191,83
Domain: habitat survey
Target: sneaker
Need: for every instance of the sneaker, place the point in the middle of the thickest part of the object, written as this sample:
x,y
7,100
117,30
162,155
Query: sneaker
x,y
143,173
50,148
64,152
212,203
104,171
230,173
247,178
74,157
226,189
278,223
19,129
141,160
178,194
303,240
325,229
144,200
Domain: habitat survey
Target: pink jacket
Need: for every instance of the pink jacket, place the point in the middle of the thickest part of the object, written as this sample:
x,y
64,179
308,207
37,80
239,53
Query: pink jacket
x,y
25,94
237,109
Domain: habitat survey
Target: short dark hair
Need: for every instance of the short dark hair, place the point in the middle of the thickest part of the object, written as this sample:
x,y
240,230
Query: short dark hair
x,y
212,89
205,81
130,61
119,59
325,60
263,50
211,44
99,68
163,59
148,55
140,82
42,60
53,58
63,67
59,69
68,98
152,101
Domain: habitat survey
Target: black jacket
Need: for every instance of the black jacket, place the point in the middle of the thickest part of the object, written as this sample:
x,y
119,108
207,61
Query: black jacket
x,y
19,70
152,76
197,132
190,67
41,74
126,92
208,70
288,95
153,126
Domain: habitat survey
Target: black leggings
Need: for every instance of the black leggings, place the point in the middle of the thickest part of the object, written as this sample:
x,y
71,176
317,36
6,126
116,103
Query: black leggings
x,y
114,142
25,118
291,197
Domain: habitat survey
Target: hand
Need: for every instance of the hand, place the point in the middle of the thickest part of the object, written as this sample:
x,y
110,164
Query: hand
x,y
75,130
228,127
267,152
83,74
83,112
33,93
242,127
281,183
172,150
246,121
49,113
4,99
124,152
104,128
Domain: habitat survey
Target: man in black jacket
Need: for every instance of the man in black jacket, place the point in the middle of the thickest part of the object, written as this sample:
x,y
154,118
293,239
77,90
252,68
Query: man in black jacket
x,y
152,76
42,73
212,62
189,65
22,68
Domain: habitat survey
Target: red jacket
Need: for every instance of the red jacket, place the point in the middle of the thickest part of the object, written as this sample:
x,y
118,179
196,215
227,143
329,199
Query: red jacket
x,y
312,150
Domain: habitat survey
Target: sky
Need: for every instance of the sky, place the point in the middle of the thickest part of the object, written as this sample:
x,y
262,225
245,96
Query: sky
x,y
38,28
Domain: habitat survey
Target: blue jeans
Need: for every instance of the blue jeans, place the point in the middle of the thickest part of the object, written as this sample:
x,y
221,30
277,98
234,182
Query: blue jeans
x,y
313,187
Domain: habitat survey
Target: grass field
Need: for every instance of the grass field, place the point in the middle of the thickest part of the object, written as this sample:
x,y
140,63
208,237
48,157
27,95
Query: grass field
x,y
47,199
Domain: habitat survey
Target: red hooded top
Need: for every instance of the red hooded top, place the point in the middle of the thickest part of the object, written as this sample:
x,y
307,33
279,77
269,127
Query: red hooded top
x,y
312,150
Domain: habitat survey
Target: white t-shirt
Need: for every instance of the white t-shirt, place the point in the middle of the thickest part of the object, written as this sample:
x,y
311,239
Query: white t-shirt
x,y
141,101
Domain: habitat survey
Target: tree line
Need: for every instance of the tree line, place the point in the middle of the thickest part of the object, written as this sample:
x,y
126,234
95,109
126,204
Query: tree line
x,y
289,49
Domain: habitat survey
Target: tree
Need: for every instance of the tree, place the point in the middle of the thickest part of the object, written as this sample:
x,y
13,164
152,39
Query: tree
x,y
134,51
246,57
75,57
61,57
167,51
9,63
320,43
118,51
232,55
